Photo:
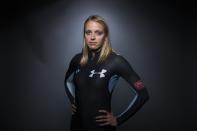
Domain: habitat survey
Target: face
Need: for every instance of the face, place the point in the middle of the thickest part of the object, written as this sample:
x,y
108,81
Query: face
x,y
94,35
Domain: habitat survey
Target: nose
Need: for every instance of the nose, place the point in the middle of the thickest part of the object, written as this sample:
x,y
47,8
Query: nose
x,y
92,36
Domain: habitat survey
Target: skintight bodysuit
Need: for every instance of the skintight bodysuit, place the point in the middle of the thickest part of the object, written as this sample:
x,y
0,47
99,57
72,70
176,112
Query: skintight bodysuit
x,y
90,88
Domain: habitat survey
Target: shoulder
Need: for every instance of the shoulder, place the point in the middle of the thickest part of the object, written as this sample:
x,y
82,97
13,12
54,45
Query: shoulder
x,y
76,58
117,58
120,63
121,66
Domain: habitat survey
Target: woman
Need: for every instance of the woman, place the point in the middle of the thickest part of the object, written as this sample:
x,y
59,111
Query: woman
x,y
91,78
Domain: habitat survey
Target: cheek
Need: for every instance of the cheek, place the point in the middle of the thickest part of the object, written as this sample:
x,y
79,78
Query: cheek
x,y
87,38
101,39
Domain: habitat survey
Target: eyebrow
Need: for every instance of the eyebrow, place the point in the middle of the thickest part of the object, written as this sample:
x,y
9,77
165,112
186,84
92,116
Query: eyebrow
x,y
94,31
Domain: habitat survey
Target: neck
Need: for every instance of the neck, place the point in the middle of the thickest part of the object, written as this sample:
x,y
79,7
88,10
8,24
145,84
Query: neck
x,y
94,53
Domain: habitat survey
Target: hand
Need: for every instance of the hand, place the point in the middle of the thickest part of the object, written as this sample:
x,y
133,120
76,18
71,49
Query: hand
x,y
108,119
73,107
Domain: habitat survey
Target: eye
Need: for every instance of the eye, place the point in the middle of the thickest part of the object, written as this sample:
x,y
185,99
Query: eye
x,y
99,32
87,32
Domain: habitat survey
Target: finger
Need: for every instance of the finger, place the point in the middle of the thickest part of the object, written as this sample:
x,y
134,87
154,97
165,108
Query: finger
x,y
102,120
101,117
74,107
108,116
104,124
73,111
104,111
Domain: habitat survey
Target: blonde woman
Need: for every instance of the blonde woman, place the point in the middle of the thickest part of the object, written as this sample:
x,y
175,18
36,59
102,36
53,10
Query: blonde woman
x,y
91,78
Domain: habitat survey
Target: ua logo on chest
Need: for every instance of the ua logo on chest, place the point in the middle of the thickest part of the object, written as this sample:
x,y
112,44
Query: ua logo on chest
x,y
101,74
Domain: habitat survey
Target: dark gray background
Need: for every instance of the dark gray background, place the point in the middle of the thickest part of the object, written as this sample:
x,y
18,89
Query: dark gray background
x,y
38,39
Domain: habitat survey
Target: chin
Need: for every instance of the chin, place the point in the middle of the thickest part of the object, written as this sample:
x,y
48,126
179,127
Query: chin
x,y
93,48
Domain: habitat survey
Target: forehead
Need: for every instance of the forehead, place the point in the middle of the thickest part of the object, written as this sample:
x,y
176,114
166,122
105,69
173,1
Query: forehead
x,y
92,25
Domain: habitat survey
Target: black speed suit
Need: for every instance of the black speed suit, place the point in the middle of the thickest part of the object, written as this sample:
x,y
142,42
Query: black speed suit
x,y
90,88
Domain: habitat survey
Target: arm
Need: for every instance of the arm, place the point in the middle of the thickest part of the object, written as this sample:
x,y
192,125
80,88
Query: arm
x,y
124,70
68,81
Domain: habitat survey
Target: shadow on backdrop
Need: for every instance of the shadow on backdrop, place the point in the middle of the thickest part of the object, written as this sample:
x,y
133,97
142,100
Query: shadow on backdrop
x,y
39,38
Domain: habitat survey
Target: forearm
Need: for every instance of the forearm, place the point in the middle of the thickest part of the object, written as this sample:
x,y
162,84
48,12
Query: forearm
x,y
141,97
70,88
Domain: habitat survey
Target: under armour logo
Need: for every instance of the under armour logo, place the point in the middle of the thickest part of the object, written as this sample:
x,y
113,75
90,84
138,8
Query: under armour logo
x,y
100,73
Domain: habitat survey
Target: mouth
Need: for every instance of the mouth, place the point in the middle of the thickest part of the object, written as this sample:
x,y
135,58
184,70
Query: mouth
x,y
92,43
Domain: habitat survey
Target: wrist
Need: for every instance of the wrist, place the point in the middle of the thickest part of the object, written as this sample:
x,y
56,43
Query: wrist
x,y
115,121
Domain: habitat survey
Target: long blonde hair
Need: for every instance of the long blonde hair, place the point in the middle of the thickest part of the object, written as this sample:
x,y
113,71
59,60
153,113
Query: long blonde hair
x,y
106,48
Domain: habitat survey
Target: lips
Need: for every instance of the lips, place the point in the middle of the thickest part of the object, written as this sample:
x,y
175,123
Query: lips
x,y
92,43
